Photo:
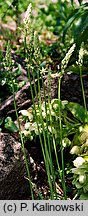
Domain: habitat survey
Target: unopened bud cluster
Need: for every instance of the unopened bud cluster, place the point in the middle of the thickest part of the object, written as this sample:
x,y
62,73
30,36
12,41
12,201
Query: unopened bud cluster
x,y
27,18
37,52
8,61
66,59
82,52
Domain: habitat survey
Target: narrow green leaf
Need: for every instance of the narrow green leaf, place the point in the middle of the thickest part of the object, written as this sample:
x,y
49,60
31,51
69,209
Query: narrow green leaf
x,y
77,13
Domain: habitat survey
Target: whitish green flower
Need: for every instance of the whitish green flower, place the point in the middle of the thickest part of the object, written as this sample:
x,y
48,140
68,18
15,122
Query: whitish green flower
x,y
82,52
66,59
27,18
43,71
82,178
75,150
27,14
27,125
55,75
26,133
78,161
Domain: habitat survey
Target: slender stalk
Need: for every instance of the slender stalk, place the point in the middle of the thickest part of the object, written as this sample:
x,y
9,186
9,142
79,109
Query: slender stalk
x,y
83,92
17,12
45,151
53,136
51,123
48,139
21,137
48,161
60,124
9,62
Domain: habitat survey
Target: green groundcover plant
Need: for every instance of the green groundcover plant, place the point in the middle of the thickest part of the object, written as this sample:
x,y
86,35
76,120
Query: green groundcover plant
x,y
77,126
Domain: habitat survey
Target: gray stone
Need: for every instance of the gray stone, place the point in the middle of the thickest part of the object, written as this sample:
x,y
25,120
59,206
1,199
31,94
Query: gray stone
x,y
13,184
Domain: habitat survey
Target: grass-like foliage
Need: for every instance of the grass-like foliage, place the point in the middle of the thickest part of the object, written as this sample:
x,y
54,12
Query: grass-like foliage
x,y
60,126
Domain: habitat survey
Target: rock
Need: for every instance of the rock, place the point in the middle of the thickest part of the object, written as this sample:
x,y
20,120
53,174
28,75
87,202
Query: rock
x,y
22,98
13,184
